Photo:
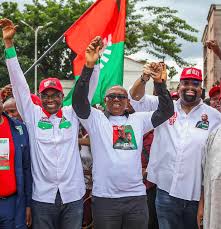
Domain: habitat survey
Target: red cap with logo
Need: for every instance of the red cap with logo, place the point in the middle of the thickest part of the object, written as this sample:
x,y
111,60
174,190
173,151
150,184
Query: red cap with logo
x,y
214,90
191,73
50,83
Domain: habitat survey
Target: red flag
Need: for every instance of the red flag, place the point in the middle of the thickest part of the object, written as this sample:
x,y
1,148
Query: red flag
x,y
104,17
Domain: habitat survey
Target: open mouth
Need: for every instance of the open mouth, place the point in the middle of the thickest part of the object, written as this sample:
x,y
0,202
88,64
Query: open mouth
x,y
190,93
116,105
51,106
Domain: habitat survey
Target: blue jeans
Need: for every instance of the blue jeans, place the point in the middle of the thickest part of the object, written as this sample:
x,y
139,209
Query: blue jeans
x,y
120,213
175,213
7,212
57,215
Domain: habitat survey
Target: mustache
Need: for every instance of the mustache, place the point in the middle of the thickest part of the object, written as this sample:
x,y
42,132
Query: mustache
x,y
189,98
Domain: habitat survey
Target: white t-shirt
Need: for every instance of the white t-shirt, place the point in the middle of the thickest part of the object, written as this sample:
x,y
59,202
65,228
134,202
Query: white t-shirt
x,y
116,145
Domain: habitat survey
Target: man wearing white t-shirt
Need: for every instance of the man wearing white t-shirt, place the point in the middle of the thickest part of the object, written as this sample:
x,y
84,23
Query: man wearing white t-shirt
x,y
119,195
58,182
177,150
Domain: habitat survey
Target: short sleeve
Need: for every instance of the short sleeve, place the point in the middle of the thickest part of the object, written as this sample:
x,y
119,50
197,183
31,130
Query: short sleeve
x,y
146,104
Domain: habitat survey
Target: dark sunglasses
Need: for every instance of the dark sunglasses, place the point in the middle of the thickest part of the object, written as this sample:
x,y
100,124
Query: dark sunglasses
x,y
118,96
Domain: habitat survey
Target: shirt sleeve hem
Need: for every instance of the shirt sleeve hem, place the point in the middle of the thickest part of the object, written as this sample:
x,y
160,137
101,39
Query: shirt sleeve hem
x,y
10,52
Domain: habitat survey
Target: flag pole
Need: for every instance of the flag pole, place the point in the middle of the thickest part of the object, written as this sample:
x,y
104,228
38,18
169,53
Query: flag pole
x,y
42,56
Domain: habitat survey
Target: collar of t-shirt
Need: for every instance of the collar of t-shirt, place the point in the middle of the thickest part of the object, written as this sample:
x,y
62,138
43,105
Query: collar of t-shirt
x,y
178,103
58,114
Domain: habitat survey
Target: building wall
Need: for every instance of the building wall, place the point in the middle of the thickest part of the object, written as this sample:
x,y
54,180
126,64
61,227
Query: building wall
x,y
212,64
132,71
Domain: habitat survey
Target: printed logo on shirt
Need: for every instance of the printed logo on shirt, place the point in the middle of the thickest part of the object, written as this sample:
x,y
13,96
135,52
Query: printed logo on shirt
x,y
204,123
124,138
44,123
64,123
172,119
4,154
20,130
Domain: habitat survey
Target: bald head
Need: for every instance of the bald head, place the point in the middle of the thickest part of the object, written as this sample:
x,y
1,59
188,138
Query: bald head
x,y
10,108
118,88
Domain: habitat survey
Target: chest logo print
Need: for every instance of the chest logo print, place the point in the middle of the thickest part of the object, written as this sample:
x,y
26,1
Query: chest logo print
x,y
124,138
204,123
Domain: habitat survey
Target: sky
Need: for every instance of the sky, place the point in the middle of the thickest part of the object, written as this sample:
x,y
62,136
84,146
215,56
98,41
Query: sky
x,y
194,12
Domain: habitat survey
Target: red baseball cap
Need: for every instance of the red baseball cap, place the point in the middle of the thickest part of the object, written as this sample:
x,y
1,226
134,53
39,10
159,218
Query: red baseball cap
x,y
50,83
191,73
213,90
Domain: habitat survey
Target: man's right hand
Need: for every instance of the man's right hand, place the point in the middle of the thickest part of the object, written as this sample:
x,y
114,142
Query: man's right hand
x,y
156,71
8,31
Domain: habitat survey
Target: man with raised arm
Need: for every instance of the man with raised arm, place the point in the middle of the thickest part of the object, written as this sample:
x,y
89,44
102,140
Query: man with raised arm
x,y
177,151
119,195
58,182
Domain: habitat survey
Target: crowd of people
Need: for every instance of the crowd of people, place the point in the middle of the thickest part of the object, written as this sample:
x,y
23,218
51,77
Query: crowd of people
x,y
145,161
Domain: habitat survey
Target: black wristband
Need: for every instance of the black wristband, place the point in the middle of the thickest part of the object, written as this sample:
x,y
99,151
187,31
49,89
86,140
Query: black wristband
x,y
143,81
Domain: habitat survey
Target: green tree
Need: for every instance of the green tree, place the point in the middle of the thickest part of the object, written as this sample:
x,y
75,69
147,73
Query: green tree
x,y
158,36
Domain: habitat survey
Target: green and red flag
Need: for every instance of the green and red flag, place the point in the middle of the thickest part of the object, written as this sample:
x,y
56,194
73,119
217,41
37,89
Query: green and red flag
x,y
105,18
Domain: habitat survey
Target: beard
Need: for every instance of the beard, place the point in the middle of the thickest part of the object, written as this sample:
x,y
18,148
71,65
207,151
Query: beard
x,y
189,98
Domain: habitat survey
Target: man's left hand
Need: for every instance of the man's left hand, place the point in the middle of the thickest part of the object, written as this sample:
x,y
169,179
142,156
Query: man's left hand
x,y
28,217
92,51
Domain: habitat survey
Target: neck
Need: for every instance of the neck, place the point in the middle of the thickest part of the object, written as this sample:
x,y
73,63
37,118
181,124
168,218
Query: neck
x,y
188,107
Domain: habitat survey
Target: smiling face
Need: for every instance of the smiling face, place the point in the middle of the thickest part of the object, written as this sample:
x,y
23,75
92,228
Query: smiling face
x,y
190,91
51,100
116,100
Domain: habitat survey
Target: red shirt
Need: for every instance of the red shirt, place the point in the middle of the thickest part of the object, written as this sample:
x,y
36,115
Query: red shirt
x,y
7,176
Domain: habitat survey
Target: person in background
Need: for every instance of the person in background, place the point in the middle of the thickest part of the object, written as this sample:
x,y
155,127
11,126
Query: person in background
x,y
10,108
15,174
214,95
175,95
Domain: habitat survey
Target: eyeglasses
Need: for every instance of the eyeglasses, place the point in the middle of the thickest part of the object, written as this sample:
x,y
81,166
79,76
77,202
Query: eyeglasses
x,y
195,83
53,96
118,96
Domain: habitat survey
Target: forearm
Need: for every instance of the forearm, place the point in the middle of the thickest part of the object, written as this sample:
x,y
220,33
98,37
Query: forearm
x,y
93,82
165,108
20,87
80,101
138,89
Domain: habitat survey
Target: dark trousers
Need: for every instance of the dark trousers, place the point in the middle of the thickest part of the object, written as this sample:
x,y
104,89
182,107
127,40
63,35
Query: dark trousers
x,y
57,215
7,212
120,213
175,213
151,197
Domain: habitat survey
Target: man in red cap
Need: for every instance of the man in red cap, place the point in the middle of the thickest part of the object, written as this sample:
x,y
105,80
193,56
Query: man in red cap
x,y
177,150
214,95
58,181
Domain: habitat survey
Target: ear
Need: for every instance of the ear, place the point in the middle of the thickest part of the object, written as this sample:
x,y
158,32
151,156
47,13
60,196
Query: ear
x,y
105,100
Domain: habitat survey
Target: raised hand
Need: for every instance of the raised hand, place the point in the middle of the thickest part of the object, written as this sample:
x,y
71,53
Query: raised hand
x,y
92,51
8,29
155,71
213,45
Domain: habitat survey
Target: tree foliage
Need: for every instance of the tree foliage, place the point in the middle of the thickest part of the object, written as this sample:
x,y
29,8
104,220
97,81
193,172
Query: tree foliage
x,y
159,35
